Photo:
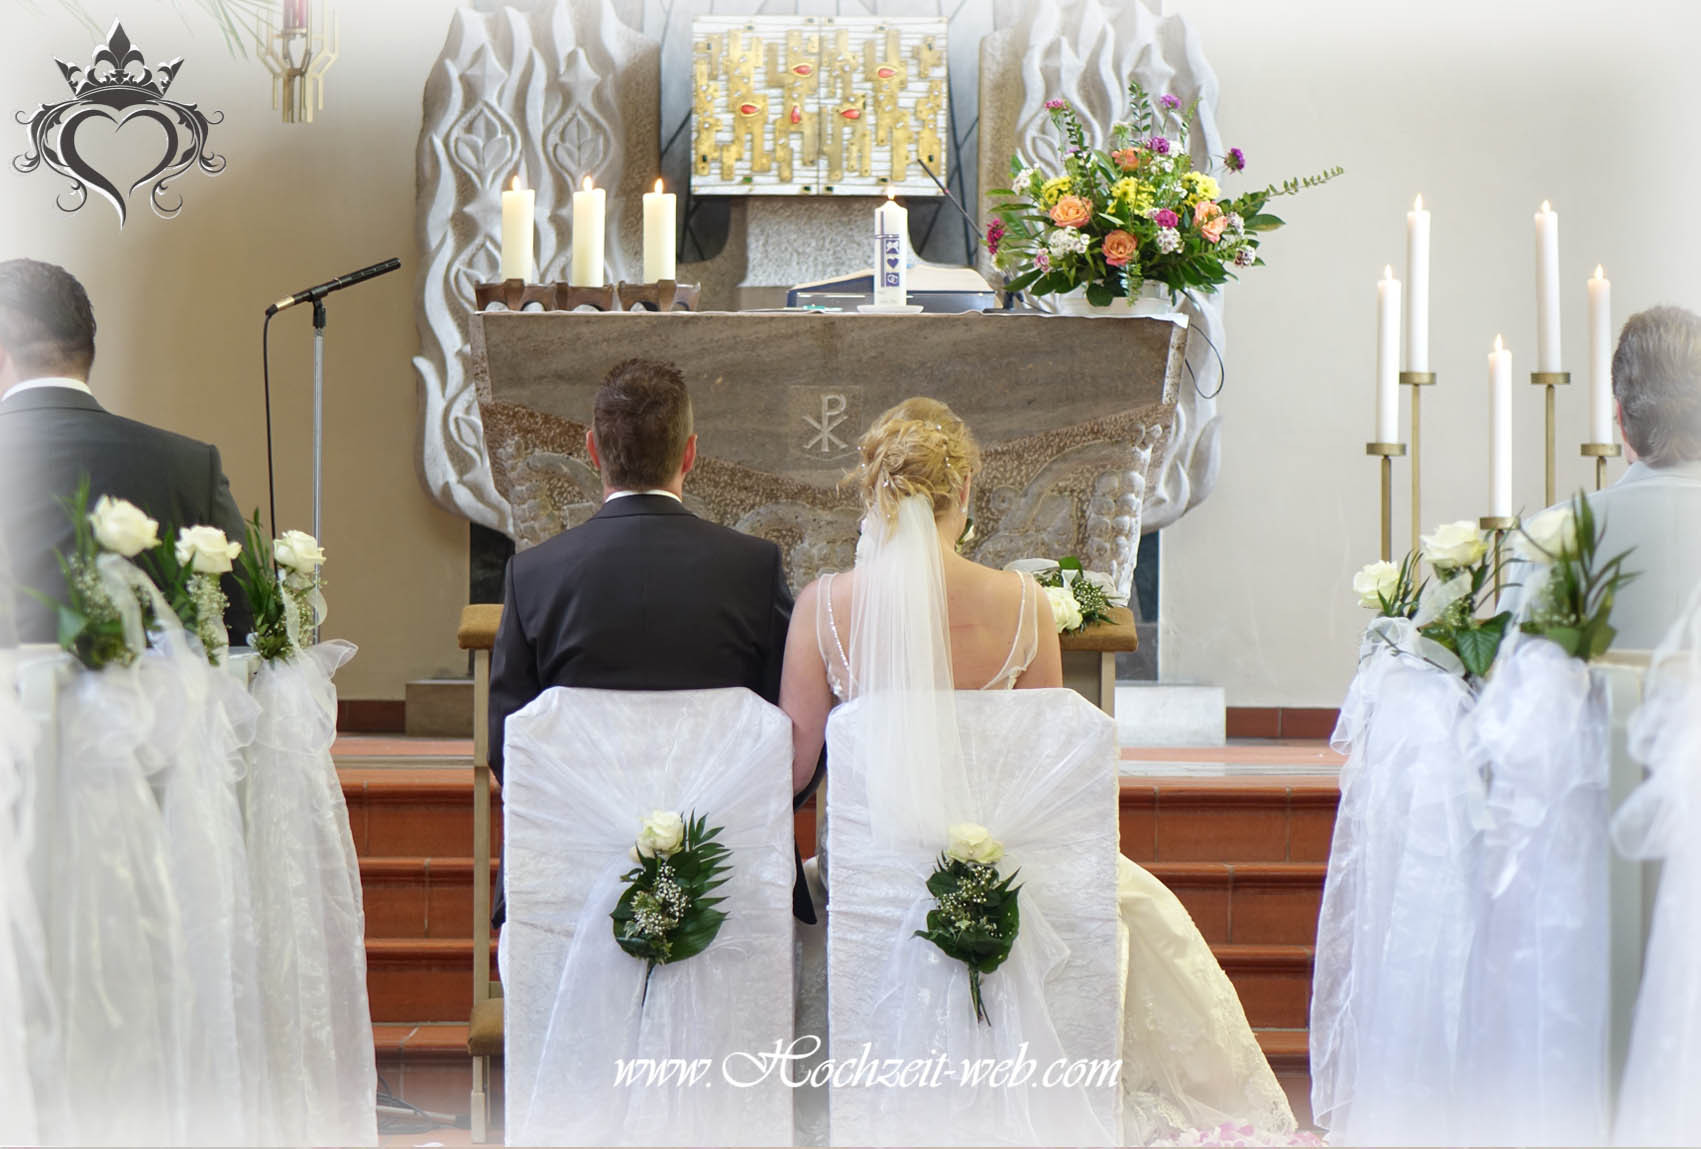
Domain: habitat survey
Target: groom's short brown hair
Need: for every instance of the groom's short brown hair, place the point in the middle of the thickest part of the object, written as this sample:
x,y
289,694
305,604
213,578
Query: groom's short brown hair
x,y
642,423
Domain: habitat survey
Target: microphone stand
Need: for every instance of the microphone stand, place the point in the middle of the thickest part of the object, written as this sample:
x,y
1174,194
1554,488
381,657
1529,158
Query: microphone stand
x,y
318,415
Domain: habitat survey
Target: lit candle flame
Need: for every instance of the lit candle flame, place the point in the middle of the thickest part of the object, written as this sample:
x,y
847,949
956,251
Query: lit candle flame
x,y
588,184
1417,204
891,193
1547,208
1499,346
1600,272
658,187
515,186
1388,271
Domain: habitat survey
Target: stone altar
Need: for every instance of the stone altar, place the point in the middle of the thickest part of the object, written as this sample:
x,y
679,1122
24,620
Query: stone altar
x,y
1071,413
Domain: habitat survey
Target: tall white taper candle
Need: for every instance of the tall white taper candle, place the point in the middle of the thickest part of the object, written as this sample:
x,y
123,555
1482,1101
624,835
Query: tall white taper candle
x,y
1500,430
891,253
1388,358
1600,358
1548,356
658,234
1417,287
518,206
589,217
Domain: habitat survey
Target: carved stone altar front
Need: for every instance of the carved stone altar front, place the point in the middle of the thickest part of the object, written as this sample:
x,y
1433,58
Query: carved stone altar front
x,y
1070,413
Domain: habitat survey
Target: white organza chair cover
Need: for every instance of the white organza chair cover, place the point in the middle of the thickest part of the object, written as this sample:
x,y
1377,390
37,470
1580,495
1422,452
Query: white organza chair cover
x,y
1659,1102
307,910
204,721
115,950
1534,1060
1395,931
1041,776
25,1010
583,769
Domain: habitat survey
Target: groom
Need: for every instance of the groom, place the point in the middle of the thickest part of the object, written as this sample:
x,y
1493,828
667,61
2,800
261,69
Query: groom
x,y
645,595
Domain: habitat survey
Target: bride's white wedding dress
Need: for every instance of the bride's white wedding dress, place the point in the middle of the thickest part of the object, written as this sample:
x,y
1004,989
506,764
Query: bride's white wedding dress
x,y
1189,1059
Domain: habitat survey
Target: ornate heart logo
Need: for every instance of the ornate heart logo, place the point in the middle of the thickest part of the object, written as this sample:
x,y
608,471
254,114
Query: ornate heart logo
x,y
119,89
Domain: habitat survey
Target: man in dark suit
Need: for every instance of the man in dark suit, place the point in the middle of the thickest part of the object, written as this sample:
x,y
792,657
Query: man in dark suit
x,y
645,595
53,432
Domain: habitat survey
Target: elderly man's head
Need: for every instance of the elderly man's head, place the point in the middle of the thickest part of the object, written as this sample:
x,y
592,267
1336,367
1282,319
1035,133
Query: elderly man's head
x,y
1656,377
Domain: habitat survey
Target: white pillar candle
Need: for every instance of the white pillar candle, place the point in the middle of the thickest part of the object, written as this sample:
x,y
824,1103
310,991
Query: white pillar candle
x,y
891,254
1388,358
518,205
589,206
1548,356
1500,430
658,234
1600,359
1417,287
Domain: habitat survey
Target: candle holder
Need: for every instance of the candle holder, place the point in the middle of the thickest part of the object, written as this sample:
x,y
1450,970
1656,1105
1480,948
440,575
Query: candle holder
x,y
1417,381
1388,452
662,295
1600,453
514,294
1498,525
1550,380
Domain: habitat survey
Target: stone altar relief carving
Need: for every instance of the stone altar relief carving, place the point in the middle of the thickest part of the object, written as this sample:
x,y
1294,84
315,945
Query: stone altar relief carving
x,y
806,106
1086,51
1066,465
553,94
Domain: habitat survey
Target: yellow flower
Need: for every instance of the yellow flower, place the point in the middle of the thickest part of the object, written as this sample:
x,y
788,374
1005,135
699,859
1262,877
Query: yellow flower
x,y
1200,187
1136,194
1054,188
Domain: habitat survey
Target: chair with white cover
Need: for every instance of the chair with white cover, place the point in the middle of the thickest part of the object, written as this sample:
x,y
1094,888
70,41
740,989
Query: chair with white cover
x,y
583,769
1041,776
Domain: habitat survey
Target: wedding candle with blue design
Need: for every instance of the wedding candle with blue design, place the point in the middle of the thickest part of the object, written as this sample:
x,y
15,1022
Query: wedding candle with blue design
x,y
891,253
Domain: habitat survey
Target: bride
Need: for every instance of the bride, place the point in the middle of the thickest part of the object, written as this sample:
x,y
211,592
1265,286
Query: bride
x,y
915,620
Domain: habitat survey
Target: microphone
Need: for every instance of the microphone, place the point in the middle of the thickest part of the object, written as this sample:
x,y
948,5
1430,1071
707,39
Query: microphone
x,y
316,293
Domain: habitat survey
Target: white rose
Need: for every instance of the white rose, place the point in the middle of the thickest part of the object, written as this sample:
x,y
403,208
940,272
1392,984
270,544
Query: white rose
x,y
971,842
1458,544
298,551
662,833
1376,579
1547,537
122,528
1065,611
205,550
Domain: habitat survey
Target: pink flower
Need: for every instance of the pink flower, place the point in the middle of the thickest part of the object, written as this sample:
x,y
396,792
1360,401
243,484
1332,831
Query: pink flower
x,y
994,234
1210,220
1055,105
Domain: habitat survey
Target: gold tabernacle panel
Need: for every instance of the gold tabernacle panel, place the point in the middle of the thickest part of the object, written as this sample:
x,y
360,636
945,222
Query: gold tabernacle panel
x,y
787,105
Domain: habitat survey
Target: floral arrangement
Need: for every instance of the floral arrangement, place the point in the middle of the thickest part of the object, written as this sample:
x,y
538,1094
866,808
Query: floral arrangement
x,y
187,572
101,621
283,587
666,913
975,918
1446,609
1573,600
1137,211
1077,598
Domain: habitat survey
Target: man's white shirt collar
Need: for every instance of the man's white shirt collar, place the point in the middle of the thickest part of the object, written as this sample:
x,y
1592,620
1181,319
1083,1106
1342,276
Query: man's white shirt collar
x,y
46,381
613,495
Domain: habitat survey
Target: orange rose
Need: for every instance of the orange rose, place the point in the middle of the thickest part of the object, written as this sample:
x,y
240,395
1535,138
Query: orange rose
x,y
1072,211
1119,248
1126,158
1210,220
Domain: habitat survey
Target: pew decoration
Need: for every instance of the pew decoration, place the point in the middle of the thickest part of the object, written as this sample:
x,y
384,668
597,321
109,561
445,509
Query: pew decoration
x,y
976,916
666,913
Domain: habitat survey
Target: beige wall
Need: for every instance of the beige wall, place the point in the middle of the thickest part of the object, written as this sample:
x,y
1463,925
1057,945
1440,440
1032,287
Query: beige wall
x,y
1485,107
179,302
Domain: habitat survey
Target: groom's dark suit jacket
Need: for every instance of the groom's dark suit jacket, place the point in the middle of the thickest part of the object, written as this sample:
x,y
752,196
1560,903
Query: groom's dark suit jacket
x,y
643,596
52,436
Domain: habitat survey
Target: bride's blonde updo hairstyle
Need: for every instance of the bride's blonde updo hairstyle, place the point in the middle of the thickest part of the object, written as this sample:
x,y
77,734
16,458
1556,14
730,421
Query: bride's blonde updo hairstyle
x,y
919,447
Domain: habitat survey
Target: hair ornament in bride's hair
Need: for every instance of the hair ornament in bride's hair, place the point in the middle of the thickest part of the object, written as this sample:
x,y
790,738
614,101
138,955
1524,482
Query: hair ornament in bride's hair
x,y
918,448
